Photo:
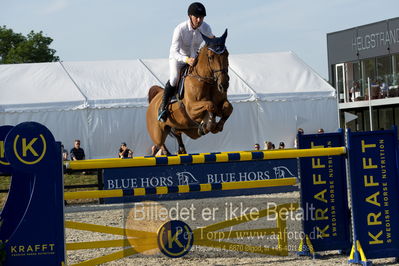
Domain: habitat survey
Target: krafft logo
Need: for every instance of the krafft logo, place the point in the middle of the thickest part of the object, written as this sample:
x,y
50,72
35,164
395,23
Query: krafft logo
x,y
33,250
29,150
2,154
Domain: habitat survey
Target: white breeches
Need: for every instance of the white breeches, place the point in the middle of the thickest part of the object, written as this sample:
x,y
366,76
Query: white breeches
x,y
174,70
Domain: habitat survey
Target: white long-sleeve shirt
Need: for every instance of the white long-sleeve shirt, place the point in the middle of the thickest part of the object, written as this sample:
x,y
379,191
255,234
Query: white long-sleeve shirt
x,y
186,41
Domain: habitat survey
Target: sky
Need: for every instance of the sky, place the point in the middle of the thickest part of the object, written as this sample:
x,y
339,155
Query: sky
x,y
98,30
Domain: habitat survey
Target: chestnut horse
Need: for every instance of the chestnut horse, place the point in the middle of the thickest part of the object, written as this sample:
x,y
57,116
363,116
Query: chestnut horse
x,y
205,97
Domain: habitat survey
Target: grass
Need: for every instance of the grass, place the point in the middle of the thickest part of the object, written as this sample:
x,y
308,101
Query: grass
x,y
69,179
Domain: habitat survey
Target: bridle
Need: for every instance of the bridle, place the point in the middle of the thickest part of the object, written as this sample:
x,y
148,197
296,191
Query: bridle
x,y
214,77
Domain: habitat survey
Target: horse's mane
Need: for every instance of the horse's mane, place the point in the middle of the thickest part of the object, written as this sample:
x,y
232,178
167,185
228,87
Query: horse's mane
x,y
200,53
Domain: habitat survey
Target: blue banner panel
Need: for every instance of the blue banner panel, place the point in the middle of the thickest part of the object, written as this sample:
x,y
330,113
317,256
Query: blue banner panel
x,y
208,173
32,222
375,191
324,194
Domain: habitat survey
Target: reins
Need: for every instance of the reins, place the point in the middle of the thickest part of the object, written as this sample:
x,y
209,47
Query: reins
x,y
210,80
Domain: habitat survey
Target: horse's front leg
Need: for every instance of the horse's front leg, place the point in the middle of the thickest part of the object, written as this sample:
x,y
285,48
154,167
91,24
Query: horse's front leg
x,y
208,123
226,111
196,111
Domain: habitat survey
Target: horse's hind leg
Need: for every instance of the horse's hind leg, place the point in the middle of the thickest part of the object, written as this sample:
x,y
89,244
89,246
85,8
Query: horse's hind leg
x,y
158,135
182,148
162,146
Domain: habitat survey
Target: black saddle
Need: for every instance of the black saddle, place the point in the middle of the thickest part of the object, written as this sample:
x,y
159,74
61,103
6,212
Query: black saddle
x,y
180,84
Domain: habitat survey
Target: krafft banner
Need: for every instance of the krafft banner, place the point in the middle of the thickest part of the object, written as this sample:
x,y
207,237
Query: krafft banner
x,y
209,173
324,194
375,191
32,220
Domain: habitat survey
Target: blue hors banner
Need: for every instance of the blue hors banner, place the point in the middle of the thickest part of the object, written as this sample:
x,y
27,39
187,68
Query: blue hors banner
x,y
190,174
324,194
375,192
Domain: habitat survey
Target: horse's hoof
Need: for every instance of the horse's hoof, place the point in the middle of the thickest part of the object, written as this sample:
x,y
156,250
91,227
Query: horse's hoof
x,y
201,131
182,151
215,131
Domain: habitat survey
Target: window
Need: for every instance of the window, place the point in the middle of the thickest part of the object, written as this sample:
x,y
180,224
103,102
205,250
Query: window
x,y
395,70
383,68
360,121
385,118
368,71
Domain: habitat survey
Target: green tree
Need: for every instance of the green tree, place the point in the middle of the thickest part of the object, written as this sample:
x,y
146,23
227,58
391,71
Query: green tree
x,y
16,48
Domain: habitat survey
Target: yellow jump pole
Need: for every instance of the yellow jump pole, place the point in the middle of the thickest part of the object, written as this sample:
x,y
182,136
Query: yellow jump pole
x,y
203,158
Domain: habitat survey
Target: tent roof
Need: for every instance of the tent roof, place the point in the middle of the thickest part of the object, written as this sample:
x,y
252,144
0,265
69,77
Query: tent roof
x,y
104,84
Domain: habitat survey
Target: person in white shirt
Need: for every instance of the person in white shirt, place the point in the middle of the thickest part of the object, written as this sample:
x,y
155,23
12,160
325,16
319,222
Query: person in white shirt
x,y
186,41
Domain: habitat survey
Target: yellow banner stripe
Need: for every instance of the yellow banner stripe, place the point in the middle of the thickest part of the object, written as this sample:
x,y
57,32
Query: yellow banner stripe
x,y
93,194
259,183
206,187
184,188
162,190
110,257
139,191
98,244
108,229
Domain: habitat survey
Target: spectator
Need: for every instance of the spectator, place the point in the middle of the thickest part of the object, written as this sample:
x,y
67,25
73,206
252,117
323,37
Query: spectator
x,y
384,89
375,89
268,145
320,131
282,145
299,132
64,153
257,146
125,152
77,153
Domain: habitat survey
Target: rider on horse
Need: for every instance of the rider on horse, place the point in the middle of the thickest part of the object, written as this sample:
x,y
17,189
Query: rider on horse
x,y
186,41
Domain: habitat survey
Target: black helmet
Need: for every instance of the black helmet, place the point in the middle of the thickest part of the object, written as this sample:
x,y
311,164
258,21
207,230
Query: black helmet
x,y
196,9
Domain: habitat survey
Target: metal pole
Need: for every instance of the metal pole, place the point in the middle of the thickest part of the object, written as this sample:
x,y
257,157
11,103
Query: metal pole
x,y
370,110
339,110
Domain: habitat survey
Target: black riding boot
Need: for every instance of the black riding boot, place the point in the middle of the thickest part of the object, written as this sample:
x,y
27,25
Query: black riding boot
x,y
163,108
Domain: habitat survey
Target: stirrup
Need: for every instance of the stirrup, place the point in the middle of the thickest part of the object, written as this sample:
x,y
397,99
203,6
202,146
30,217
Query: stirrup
x,y
162,116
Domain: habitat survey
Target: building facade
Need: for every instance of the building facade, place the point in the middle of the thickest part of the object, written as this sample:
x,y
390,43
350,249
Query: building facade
x,y
364,68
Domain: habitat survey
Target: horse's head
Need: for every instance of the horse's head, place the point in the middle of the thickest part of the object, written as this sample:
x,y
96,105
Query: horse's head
x,y
218,60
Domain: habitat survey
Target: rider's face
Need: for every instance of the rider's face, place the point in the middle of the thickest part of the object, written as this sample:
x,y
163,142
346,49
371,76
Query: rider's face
x,y
196,21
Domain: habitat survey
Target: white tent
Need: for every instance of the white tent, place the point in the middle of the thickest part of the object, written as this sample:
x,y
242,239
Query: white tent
x,y
104,103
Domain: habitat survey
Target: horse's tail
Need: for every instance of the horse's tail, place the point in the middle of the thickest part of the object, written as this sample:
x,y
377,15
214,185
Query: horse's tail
x,y
154,90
